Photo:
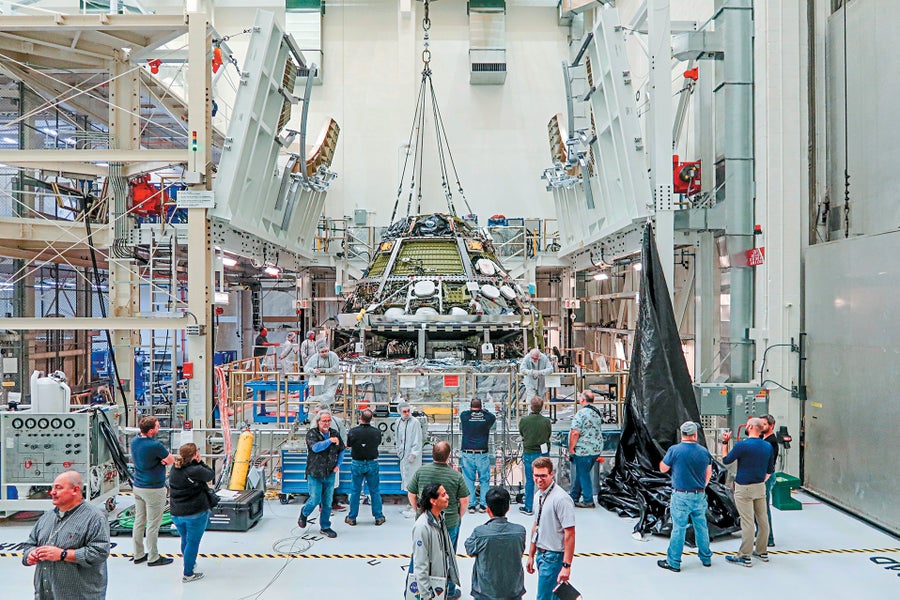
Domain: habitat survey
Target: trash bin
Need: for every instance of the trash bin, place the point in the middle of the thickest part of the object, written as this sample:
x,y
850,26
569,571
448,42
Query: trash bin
x,y
781,492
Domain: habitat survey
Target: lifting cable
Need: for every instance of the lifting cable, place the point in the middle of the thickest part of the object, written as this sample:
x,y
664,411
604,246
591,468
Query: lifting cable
x,y
417,135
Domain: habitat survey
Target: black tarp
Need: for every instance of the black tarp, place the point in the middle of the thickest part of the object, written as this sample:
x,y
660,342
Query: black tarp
x,y
659,399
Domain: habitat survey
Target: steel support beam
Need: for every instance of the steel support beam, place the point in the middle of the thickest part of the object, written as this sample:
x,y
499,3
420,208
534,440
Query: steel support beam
x,y
200,254
85,323
37,158
659,127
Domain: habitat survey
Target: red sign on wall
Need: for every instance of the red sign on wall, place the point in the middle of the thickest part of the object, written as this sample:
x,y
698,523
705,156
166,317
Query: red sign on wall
x,y
451,381
756,256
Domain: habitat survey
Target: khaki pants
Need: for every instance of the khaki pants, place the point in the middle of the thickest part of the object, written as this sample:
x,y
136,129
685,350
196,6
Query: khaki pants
x,y
751,501
149,505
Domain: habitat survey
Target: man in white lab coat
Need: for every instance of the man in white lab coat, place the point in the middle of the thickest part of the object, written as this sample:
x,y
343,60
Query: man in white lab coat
x,y
409,448
535,366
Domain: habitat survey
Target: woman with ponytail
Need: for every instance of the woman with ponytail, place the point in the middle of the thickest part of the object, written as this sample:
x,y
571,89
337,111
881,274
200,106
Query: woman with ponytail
x,y
190,504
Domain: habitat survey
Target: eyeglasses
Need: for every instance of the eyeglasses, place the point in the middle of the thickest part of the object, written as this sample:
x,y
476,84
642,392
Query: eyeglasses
x,y
538,476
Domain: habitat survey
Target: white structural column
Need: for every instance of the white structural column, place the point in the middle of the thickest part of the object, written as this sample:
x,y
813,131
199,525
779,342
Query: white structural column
x,y
782,161
124,292
200,257
659,129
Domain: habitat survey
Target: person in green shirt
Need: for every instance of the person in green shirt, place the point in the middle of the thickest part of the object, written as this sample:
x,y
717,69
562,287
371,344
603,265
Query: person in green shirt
x,y
441,472
535,430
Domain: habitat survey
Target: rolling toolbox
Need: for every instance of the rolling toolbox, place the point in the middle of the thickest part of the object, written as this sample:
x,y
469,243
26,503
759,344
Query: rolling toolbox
x,y
237,514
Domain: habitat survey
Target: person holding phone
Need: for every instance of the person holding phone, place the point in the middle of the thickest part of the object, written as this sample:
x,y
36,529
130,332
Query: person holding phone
x,y
189,505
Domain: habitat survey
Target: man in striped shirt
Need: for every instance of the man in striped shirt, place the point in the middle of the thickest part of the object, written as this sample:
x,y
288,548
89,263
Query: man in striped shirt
x,y
69,545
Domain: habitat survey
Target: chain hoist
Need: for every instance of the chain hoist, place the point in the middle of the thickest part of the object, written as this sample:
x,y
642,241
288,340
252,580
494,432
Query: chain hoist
x,y
417,139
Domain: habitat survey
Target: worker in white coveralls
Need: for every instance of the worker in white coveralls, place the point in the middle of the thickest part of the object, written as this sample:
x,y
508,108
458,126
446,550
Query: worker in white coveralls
x,y
289,355
535,366
409,449
308,347
324,361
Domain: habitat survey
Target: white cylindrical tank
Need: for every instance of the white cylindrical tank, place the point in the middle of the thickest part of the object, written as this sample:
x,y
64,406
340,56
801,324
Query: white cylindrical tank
x,y
49,394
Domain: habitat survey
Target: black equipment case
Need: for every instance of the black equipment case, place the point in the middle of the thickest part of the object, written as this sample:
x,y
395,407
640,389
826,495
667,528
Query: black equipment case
x,y
237,514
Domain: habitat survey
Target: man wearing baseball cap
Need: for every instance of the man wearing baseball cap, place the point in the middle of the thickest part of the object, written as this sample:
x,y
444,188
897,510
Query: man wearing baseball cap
x,y
691,466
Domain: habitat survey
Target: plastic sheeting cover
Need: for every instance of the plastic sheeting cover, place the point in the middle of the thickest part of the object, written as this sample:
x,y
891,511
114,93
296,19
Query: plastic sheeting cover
x,y
658,400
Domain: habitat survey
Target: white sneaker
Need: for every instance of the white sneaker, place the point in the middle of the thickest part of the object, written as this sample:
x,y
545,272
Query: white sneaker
x,y
408,513
189,578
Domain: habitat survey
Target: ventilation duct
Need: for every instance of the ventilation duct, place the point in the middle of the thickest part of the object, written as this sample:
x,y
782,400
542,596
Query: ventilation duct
x,y
487,42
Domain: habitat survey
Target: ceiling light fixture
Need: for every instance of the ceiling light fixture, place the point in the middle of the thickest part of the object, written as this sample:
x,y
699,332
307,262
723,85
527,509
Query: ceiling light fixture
x,y
228,261
601,276
273,271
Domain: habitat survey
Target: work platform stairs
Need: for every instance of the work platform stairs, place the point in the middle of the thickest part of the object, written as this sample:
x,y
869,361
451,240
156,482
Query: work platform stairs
x,y
162,293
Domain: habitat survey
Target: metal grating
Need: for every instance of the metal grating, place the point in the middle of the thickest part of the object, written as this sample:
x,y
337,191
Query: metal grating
x,y
425,258
378,266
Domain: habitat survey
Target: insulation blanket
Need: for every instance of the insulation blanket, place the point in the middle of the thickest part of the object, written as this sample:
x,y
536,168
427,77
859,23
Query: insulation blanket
x,y
659,399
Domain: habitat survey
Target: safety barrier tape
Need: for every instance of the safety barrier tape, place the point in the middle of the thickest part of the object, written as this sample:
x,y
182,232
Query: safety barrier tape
x,y
577,554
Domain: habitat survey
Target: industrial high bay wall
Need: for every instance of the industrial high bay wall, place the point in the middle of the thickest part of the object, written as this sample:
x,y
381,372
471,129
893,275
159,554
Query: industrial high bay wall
x,y
602,191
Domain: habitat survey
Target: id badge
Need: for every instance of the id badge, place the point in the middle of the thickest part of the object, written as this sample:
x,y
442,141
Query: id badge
x,y
534,536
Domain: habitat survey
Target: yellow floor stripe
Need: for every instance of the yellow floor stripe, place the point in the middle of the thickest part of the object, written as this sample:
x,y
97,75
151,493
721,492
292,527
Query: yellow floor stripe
x,y
577,554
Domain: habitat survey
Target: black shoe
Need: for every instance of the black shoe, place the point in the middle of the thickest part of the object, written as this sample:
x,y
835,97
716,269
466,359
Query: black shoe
x,y
329,533
709,564
140,560
161,561
481,508
301,520
380,521
525,511
585,505
349,521
664,564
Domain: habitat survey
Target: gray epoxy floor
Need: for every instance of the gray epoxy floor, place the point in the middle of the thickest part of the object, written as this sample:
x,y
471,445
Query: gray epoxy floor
x,y
795,570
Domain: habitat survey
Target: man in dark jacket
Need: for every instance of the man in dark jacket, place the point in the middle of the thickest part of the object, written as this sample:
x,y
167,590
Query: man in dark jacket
x,y
497,546
324,446
363,441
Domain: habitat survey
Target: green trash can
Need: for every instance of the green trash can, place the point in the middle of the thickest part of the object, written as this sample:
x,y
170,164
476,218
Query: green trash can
x,y
781,492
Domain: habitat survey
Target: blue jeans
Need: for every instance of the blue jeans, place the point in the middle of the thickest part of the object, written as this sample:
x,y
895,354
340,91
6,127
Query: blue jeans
x,y
583,483
191,529
682,507
479,464
367,470
770,483
321,493
454,535
528,458
549,564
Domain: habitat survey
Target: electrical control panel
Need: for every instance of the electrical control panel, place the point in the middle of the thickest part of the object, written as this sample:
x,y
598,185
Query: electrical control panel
x,y
388,433
36,447
746,400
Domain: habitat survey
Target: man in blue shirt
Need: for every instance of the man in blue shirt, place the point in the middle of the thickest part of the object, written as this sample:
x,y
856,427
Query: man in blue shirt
x,y
150,458
755,464
475,425
691,466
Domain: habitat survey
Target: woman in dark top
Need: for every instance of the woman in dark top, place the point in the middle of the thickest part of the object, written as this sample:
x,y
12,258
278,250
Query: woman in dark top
x,y
190,505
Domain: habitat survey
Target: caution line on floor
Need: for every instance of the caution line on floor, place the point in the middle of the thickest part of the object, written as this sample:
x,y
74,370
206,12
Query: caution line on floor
x,y
577,554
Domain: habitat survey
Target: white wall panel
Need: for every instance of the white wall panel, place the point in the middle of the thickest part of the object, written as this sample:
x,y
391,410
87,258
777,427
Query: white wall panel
x,y
853,325
497,133
873,85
